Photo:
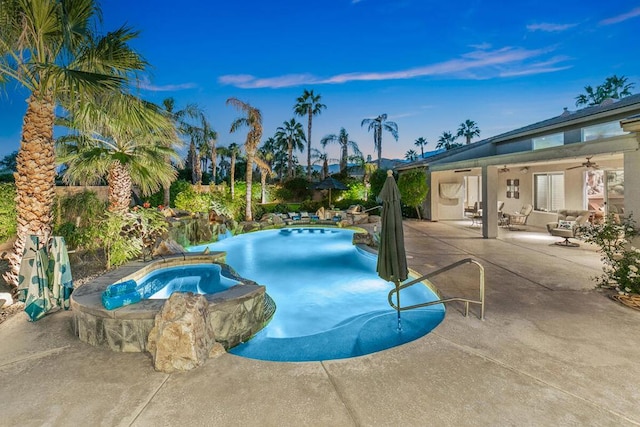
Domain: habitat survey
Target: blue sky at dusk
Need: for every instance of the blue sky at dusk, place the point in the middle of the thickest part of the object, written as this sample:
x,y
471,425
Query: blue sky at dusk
x,y
428,65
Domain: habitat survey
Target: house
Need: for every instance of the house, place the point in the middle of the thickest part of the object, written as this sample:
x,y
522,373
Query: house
x,y
584,159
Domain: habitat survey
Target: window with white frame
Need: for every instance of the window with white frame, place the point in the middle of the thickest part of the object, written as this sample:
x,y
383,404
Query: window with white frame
x,y
602,130
548,191
547,141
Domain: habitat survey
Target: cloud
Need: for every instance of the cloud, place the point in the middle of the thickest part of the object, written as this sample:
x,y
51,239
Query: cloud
x,y
620,18
478,64
481,46
550,28
145,84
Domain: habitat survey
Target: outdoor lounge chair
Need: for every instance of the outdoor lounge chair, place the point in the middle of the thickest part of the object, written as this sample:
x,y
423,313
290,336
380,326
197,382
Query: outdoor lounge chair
x,y
519,218
568,225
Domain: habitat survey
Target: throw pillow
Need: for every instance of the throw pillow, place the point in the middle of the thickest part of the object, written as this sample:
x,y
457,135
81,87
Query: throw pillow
x,y
567,225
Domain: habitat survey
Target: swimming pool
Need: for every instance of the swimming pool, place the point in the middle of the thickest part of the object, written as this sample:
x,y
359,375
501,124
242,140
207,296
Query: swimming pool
x,y
331,304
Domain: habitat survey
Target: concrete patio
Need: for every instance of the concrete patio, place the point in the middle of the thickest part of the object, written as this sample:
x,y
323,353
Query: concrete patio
x,y
552,351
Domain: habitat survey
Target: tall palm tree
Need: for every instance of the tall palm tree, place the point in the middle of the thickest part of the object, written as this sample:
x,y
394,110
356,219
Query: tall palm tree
x,y
232,152
411,155
308,104
290,135
468,129
122,138
50,49
421,142
321,157
378,124
265,171
253,120
447,141
342,139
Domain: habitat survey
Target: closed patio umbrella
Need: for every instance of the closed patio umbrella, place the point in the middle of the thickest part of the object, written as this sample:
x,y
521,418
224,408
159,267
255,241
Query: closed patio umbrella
x,y
60,279
392,258
329,184
33,284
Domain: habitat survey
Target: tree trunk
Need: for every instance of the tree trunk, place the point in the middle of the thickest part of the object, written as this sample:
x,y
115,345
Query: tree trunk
x,y
290,160
232,175
309,145
379,136
166,200
263,186
248,215
343,159
214,161
120,187
35,179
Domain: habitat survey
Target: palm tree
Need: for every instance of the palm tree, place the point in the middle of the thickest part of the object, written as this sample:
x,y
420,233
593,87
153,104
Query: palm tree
x,y
411,155
379,124
50,49
122,138
447,141
421,142
290,135
321,157
342,139
252,119
232,151
468,129
613,87
308,104
265,171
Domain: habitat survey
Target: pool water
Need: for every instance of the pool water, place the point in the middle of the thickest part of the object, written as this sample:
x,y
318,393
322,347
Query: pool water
x,y
196,278
330,302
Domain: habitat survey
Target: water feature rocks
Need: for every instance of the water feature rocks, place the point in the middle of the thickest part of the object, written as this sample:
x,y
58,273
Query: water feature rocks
x,y
168,247
181,338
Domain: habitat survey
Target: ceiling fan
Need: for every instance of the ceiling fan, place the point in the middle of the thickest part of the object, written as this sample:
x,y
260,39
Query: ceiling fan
x,y
588,164
504,169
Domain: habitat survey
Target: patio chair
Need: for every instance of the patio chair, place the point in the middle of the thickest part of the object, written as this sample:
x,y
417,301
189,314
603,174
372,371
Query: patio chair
x,y
502,218
519,218
568,226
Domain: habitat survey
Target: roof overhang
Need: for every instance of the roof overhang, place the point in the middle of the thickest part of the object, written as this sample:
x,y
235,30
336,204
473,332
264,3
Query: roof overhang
x,y
631,124
613,145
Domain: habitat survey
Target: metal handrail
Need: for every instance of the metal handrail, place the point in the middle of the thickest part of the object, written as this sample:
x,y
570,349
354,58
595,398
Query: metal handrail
x,y
444,300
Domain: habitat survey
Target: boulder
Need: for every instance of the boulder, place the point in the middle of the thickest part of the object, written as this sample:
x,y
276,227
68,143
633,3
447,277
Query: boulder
x,y
181,338
168,247
362,239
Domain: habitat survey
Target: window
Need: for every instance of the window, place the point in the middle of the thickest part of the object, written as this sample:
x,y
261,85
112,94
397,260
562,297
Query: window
x,y
547,141
603,130
548,191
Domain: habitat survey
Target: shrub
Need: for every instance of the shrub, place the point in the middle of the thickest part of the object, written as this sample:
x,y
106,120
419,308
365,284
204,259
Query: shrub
x,y
125,236
193,199
177,187
8,213
621,259
413,189
377,182
294,189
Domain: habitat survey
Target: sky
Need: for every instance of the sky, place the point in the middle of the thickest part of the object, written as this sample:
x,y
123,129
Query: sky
x,y
428,65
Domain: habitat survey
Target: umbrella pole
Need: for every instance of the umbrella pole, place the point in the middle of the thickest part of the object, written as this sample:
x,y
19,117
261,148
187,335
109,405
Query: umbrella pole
x,y
398,304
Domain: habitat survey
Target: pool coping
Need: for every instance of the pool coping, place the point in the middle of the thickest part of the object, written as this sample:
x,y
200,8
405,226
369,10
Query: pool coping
x,y
93,323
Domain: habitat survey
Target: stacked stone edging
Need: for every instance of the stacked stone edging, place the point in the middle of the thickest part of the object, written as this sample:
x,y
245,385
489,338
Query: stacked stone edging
x,y
235,314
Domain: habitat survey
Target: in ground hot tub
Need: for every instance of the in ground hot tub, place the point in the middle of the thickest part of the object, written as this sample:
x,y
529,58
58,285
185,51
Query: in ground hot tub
x,y
238,307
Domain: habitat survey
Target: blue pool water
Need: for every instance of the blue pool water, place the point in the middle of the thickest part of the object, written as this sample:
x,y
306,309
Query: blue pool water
x,y
196,278
330,302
